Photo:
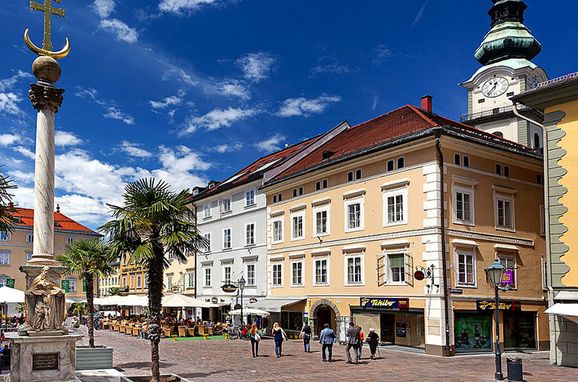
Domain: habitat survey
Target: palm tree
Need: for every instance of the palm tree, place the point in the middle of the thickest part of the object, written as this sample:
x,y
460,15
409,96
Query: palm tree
x,y
7,219
114,291
89,260
153,223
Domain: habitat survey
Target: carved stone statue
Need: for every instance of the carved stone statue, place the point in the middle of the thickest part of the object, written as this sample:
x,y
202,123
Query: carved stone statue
x,y
47,303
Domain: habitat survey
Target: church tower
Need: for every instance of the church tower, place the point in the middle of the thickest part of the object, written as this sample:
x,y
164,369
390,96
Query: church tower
x,y
505,53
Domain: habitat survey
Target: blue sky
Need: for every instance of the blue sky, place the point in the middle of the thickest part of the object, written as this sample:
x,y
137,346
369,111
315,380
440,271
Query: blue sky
x,y
191,90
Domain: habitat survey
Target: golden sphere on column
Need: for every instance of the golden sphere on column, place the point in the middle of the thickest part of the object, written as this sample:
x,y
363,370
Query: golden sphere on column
x,y
46,69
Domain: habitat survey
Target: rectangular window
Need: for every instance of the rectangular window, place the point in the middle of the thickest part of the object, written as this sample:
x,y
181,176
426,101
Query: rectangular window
x,y
390,165
350,176
544,265
463,206
396,268
280,197
138,281
321,185
226,205
277,231
227,238
297,273
466,268
250,274
498,169
250,234
321,272
504,213
274,198
466,161
318,185
358,174
4,258
354,216
400,162
4,236
169,281
457,159
227,274
297,227
321,222
29,237
506,171
190,280
250,198
542,220
69,241
395,206
207,242
354,270
207,211
277,274
124,284
207,277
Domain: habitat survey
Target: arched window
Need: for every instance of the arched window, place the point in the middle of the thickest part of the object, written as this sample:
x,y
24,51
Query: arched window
x,y
499,134
536,141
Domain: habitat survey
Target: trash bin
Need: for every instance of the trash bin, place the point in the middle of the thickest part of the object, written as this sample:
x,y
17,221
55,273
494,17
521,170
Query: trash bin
x,y
515,373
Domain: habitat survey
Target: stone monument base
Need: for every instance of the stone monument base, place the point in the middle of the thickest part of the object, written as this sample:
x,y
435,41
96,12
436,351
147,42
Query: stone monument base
x,y
43,358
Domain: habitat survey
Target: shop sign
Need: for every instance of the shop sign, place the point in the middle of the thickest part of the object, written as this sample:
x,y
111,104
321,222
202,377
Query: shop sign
x,y
384,303
456,291
10,282
214,300
485,305
65,285
508,277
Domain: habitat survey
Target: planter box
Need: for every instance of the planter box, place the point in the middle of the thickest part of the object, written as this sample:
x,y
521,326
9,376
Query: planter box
x,y
99,357
164,378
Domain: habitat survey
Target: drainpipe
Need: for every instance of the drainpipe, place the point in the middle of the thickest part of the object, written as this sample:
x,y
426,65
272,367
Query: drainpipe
x,y
440,161
546,182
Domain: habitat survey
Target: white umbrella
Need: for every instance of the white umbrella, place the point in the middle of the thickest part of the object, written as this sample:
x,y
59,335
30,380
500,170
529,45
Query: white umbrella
x,y
182,301
11,295
249,312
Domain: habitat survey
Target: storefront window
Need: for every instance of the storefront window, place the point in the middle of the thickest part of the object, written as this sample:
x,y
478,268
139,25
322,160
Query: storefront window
x,y
473,332
292,320
519,330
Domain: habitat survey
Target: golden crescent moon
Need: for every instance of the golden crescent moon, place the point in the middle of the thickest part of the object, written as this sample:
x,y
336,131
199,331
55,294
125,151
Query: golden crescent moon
x,y
43,52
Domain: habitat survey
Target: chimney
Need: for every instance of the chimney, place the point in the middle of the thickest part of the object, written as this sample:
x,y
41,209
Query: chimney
x,y
427,103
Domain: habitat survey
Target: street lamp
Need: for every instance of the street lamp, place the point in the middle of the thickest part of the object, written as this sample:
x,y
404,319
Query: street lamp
x,y
242,283
495,274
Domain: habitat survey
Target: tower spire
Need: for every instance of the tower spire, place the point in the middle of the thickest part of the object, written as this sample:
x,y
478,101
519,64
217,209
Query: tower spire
x,y
508,36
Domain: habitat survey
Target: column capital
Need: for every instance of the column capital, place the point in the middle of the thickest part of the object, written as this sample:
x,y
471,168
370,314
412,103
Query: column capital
x,y
45,96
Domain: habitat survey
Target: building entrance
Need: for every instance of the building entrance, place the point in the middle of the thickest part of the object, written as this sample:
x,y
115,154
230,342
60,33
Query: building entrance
x,y
387,328
324,315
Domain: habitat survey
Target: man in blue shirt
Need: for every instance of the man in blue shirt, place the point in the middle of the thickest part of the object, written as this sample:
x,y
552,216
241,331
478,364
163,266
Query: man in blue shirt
x,y
326,339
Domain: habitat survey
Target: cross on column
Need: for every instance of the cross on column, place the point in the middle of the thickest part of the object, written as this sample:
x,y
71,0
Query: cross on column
x,y
48,12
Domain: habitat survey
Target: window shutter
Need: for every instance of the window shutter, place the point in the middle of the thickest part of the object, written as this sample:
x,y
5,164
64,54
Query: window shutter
x,y
408,268
381,270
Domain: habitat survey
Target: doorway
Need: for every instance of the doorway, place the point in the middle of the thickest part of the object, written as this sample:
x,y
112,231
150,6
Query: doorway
x,y
387,328
324,315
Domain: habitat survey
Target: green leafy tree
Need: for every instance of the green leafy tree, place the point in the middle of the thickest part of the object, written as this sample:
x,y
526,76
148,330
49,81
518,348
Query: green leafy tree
x,y
154,223
7,219
89,260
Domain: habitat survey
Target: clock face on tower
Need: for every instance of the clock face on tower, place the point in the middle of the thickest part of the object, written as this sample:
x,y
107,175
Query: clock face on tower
x,y
495,87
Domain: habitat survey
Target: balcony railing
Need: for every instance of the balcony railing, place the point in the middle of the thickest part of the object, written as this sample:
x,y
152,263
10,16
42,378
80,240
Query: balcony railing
x,y
497,111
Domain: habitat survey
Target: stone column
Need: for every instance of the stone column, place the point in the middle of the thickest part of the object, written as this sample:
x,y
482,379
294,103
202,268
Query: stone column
x,y
46,99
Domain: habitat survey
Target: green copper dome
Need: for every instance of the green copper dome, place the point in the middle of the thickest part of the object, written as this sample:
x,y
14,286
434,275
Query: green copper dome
x,y
509,37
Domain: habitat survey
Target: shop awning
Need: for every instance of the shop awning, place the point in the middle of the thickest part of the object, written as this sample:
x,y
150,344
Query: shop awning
x,y
273,304
570,311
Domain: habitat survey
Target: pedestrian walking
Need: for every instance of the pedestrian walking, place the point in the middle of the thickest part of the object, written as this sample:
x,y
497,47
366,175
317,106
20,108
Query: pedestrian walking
x,y
327,339
279,336
373,341
361,339
255,339
306,336
352,336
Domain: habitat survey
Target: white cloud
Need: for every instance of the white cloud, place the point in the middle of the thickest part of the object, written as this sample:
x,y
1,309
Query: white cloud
x,y
122,31
256,66
85,93
112,112
21,177
216,119
227,148
9,103
103,8
382,53
234,88
134,150
420,14
168,101
331,68
180,75
64,138
8,83
178,6
24,151
304,107
8,139
271,144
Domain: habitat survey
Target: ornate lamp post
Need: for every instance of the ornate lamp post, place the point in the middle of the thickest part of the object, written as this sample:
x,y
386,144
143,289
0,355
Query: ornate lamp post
x,y
242,283
495,274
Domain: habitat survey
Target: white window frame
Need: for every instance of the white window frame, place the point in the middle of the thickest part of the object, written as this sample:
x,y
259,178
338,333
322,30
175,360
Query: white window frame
x,y
302,283
469,252
248,197
274,265
388,274
139,281
70,240
300,214
230,204
315,260
506,198
347,203
247,277
464,190
4,236
279,220
230,238
353,256
323,208
226,267
247,242
30,238
208,238
404,192
5,257
208,272
207,211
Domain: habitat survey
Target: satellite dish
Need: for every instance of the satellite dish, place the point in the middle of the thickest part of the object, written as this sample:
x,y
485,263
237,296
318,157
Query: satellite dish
x,y
419,275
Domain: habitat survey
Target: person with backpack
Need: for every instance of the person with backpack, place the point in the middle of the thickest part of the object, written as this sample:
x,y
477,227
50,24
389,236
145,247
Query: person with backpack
x,y
326,339
255,339
352,336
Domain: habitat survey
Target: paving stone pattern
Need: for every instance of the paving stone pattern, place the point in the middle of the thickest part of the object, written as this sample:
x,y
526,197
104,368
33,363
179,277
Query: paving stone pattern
x,y
232,361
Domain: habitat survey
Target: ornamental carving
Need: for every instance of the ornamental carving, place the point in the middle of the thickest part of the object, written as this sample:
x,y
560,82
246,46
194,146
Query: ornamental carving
x,y
45,97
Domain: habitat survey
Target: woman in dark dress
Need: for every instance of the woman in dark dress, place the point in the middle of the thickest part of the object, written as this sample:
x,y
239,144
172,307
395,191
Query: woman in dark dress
x,y
306,335
373,341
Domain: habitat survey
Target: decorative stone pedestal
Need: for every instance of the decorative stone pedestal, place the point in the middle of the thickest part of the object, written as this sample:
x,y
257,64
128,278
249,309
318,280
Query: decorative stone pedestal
x,y
43,358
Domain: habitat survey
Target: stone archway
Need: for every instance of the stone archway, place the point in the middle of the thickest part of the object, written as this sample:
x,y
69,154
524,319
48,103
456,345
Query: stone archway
x,y
314,311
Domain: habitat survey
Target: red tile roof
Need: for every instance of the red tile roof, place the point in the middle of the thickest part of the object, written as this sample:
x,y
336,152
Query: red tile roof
x,y
256,169
405,121
62,222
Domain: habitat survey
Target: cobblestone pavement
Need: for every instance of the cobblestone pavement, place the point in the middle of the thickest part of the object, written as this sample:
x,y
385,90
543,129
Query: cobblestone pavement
x,y
232,361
